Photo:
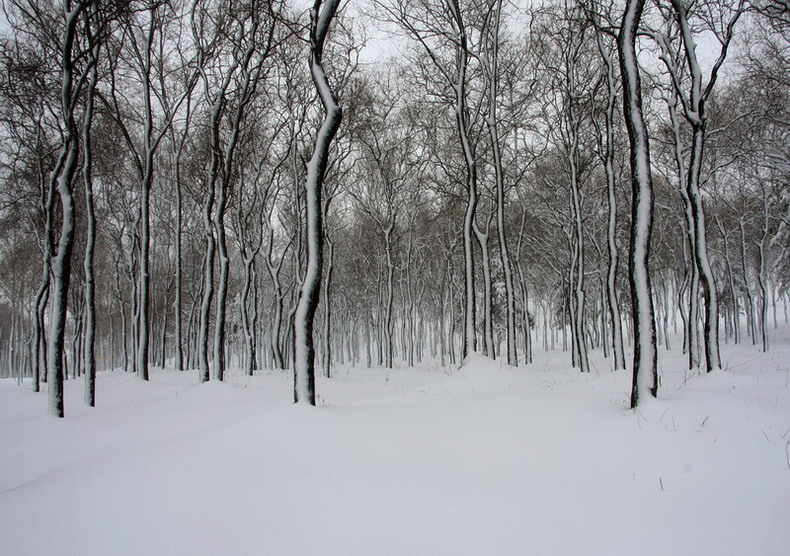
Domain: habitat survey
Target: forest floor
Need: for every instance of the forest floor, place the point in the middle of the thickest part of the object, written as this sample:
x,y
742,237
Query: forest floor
x,y
483,460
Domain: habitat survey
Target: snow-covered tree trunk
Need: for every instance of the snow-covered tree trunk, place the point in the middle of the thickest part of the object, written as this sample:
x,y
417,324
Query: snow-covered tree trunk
x,y
747,290
762,273
436,26
90,240
249,76
706,279
736,320
578,303
645,369
692,322
178,148
144,288
304,316
250,232
239,68
40,339
208,227
409,301
482,236
525,325
451,307
761,279
222,282
62,177
612,300
327,336
461,116
490,62
258,337
247,328
208,286
694,111
274,269
47,201
389,296
122,311
177,303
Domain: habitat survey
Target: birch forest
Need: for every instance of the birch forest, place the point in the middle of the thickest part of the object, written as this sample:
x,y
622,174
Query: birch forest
x,y
278,185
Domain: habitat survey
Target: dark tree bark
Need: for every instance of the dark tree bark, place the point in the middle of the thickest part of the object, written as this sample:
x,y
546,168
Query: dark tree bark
x,y
645,371
304,317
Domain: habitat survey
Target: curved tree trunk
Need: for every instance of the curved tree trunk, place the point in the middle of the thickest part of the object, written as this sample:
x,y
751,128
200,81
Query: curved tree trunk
x,y
706,279
645,371
694,110
462,125
62,177
304,316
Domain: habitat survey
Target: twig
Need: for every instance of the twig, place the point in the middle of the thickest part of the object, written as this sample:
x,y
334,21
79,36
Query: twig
x,y
686,378
638,415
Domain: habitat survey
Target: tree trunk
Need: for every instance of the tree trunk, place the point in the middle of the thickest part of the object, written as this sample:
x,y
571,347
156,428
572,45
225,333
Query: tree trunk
x,y
222,283
488,330
304,352
327,342
208,288
389,326
694,109
645,371
62,178
90,241
491,66
613,303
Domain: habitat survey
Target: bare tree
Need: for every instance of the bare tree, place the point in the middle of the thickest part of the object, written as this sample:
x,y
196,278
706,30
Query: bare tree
x,y
645,371
720,17
232,49
606,148
73,79
489,59
304,352
442,30
87,177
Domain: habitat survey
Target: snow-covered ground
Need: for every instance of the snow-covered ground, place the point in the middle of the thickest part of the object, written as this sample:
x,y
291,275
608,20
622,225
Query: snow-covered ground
x,y
479,460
